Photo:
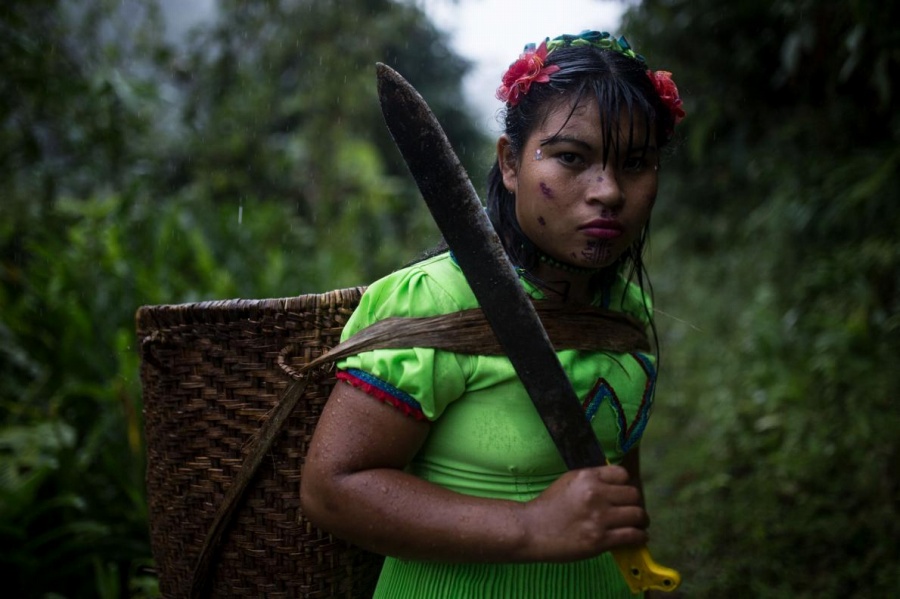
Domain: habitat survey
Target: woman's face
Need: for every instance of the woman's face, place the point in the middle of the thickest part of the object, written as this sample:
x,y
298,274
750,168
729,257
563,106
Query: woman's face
x,y
573,206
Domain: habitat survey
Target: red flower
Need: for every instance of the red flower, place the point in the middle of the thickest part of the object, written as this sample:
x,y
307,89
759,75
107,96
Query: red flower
x,y
668,92
521,74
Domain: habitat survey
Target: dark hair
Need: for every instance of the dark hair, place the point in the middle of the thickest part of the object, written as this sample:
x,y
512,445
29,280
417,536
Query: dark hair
x,y
623,90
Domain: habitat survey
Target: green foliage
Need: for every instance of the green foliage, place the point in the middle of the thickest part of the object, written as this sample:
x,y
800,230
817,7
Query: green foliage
x,y
775,442
70,445
71,453
280,103
251,162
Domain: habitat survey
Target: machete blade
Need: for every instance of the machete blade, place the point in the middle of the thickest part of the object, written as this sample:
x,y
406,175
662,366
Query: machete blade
x,y
461,218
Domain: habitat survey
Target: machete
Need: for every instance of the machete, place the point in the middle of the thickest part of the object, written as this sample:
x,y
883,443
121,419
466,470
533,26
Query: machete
x,y
460,216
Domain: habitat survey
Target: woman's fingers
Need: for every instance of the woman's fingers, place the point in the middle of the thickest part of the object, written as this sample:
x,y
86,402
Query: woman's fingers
x,y
614,475
626,517
620,537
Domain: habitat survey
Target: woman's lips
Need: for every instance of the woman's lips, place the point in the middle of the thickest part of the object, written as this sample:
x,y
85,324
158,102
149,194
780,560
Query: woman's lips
x,y
602,229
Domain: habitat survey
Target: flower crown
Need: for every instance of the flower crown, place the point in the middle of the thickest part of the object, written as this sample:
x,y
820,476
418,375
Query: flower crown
x,y
529,68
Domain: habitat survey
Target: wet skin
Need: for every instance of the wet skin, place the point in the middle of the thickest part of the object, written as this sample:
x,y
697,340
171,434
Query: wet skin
x,y
355,480
578,208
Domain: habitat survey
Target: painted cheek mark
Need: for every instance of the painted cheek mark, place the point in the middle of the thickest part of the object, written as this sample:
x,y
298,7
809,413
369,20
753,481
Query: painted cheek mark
x,y
600,179
538,155
548,193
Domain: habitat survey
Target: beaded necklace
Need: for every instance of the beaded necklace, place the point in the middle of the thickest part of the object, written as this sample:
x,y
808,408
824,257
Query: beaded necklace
x,y
553,262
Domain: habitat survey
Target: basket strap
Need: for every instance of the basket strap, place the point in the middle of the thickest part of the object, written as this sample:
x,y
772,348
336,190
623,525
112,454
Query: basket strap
x,y
467,331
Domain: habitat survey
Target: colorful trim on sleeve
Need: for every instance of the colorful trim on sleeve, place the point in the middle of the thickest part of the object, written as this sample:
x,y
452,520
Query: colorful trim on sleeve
x,y
382,391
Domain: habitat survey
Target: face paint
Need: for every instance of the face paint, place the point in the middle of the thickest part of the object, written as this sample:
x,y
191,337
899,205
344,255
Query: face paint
x,y
579,203
596,251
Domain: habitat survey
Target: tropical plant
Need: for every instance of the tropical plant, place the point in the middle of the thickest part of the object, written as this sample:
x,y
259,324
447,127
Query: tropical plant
x,y
780,263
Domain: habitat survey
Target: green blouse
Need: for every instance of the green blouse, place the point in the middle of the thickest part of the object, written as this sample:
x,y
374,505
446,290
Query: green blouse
x,y
486,437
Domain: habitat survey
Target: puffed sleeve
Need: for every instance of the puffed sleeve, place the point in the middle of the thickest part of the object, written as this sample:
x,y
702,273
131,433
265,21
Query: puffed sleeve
x,y
419,381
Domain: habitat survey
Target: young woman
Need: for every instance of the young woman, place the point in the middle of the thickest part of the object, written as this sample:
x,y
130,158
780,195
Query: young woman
x,y
438,459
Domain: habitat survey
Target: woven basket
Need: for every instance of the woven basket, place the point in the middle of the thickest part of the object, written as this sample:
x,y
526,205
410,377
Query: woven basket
x,y
211,371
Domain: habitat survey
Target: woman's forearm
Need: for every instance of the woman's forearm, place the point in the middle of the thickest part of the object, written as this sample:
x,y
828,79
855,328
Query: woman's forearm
x,y
391,512
354,485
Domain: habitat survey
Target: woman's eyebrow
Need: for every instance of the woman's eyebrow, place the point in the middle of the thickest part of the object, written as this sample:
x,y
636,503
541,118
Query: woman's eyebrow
x,y
557,139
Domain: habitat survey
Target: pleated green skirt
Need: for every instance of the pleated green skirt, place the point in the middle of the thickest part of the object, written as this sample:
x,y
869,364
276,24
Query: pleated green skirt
x,y
597,578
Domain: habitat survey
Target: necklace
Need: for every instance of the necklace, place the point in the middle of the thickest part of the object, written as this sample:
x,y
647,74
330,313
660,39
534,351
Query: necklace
x,y
565,267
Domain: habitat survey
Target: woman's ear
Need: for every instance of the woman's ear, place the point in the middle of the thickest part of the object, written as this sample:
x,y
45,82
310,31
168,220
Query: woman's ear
x,y
508,163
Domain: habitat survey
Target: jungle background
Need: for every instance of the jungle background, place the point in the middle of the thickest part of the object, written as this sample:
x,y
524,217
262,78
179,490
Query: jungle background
x,y
249,159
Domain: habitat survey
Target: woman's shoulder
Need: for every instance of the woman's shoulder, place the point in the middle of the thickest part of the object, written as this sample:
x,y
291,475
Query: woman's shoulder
x,y
430,287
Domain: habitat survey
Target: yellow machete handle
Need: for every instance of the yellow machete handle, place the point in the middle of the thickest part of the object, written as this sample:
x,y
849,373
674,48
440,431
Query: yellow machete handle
x,y
641,573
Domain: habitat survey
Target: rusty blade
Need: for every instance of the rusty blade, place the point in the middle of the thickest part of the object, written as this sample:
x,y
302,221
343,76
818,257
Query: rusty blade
x,y
461,218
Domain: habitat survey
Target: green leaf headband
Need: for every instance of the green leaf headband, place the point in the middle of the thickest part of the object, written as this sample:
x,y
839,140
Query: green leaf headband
x,y
529,68
598,39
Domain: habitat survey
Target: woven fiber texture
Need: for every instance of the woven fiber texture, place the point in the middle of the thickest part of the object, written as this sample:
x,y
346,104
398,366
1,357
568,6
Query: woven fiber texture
x,y
211,371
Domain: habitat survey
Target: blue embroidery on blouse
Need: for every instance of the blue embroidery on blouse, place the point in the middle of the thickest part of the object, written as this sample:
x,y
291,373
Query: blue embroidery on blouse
x,y
598,394
385,387
628,435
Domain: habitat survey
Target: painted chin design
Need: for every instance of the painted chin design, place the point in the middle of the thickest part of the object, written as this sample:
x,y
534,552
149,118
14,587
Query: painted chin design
x,y
597,251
